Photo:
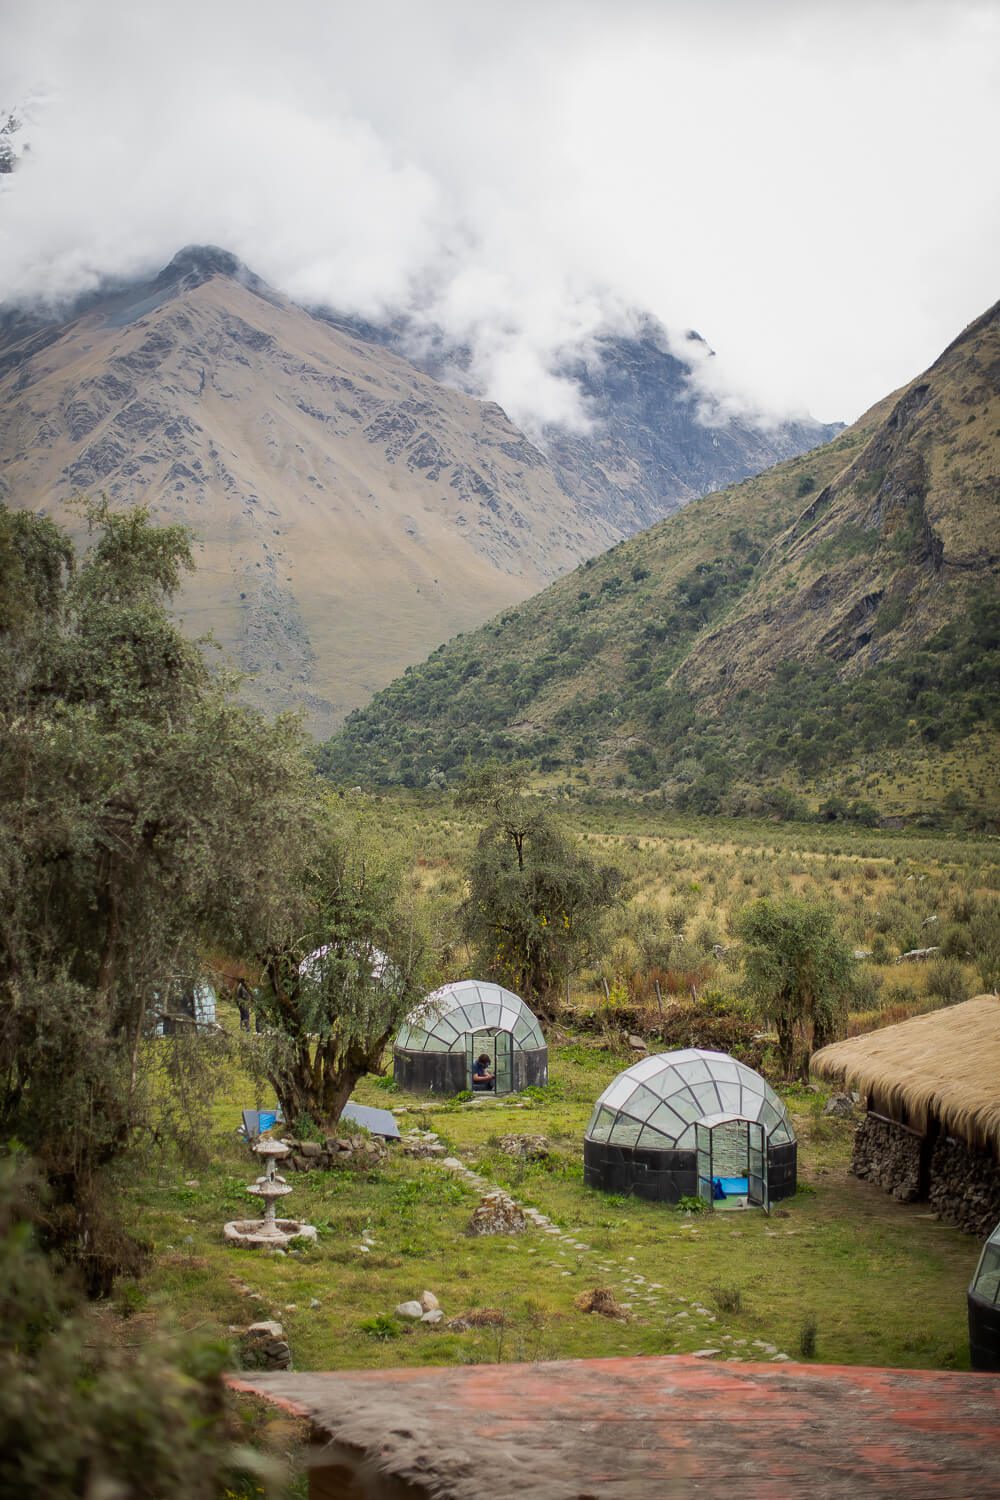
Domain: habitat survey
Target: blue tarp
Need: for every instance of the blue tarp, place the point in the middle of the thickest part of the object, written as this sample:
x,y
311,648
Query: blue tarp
x,y
378,1121
256,1121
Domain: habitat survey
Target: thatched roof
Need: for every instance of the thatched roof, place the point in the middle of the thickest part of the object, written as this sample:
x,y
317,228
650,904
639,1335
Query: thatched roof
x,y
945,1064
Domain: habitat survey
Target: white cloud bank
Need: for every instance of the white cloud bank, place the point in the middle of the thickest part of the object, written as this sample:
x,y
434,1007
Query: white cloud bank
x,y
811,185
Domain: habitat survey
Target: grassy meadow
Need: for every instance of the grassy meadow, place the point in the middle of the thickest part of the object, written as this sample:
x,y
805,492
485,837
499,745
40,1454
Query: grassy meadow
x,y
836,1273
839,1258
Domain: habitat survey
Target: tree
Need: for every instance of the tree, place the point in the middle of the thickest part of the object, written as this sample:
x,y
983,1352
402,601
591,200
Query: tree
x,y
82,1414
797,971
340,897
137,801
535,901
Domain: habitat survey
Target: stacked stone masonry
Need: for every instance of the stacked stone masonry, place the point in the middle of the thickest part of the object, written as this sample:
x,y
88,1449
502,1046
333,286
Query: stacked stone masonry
x,y
335,1151
965,1187
888,1155
961,1184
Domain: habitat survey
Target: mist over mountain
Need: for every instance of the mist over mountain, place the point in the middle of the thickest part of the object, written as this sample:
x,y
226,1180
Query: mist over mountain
x,y
652,436
351,512
831,625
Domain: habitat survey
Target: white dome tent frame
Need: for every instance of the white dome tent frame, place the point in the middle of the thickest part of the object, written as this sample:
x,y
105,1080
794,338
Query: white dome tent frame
x,y
691,1123
436,1047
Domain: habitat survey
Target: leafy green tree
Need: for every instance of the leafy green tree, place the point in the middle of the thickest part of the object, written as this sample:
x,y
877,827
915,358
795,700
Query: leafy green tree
x,y
82,1415
138,802
797,971
341,954
535,901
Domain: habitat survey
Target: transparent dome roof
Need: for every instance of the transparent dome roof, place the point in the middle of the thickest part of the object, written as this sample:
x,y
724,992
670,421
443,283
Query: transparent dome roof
x,y
443,1020
986,1282
656,1103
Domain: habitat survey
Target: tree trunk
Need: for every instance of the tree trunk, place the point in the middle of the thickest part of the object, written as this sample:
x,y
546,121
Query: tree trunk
x,y
322,1077
786,1045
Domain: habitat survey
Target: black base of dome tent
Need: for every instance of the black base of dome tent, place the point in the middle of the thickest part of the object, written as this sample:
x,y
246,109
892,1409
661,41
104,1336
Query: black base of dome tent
x,y
448,1072
984,1333
668,1176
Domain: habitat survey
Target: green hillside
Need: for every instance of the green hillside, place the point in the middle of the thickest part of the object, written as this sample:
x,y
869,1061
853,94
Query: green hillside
x,y
829,629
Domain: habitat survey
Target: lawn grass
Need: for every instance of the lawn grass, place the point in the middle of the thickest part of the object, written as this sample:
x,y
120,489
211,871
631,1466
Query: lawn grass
x,y
885,1282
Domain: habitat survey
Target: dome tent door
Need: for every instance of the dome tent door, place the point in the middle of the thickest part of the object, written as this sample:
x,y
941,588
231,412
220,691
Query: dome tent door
x,y
732,1162
495,1047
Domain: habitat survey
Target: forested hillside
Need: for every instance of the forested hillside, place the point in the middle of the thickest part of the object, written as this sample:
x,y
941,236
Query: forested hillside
x,y
828,628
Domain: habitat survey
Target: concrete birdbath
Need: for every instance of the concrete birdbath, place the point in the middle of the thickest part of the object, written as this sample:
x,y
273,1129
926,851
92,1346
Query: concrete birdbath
x,y
270,1230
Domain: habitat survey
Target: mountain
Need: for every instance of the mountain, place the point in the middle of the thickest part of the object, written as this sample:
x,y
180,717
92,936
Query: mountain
x,y
350,511
655,438
656,441
806,630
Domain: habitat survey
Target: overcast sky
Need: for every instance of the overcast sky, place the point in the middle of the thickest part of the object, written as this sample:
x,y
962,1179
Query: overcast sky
x,y
811,185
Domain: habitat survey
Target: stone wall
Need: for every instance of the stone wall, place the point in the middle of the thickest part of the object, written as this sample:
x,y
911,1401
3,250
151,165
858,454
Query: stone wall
x,y
335,1151
962,1185
888,1155
965,1187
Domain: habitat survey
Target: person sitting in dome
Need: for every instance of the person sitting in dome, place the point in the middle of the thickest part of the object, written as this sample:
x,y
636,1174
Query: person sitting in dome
x,y
482,1078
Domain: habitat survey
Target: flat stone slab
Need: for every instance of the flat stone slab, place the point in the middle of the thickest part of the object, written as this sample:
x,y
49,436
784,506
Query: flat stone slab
x,y
655,1426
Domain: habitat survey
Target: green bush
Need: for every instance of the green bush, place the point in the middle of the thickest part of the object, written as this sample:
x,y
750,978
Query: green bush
x,y
80,1414
946,981
382,1326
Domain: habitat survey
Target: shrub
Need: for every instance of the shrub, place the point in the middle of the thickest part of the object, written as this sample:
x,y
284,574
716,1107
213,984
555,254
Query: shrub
x,y
946,981
79,1414
807,1336
383,1326
728,1299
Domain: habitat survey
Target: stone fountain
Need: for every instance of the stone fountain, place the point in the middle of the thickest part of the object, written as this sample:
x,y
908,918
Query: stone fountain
x,y
270,1230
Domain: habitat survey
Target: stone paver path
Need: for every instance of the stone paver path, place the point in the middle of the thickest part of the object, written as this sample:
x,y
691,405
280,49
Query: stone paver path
x,y
692,1317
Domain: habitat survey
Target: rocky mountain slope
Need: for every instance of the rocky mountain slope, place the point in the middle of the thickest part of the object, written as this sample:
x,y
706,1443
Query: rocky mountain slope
x,y
842,605
656,438
351,511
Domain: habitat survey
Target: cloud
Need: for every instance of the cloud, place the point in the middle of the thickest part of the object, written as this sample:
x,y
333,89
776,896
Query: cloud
x,y
812,187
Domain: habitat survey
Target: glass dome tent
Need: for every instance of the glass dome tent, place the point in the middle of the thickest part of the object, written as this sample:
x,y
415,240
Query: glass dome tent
x,y
984,1307
691,1123
439,1046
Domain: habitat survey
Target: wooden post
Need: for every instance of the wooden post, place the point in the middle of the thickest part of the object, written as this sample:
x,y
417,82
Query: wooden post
x,y
607,992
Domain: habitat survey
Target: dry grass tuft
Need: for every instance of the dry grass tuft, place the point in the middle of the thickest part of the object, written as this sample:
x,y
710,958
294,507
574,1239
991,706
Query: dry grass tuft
x,y
601,1300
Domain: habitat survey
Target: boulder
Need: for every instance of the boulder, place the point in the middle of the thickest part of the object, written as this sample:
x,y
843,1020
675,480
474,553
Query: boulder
x,y
429,1302
435,1315
840,1106
266,1330
409,1310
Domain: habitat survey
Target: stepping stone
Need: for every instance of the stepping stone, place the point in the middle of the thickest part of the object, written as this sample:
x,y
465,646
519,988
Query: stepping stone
x,y
704,1353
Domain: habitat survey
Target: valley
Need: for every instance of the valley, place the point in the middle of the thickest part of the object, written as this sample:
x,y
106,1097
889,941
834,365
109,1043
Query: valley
x,y
826,630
